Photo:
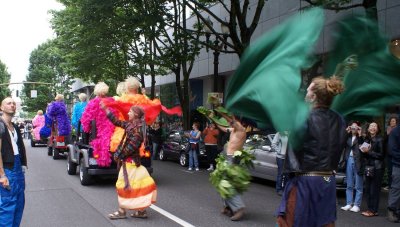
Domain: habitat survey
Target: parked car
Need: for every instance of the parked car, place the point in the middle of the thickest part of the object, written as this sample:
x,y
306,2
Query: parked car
x,y
265,166
80,154
176,147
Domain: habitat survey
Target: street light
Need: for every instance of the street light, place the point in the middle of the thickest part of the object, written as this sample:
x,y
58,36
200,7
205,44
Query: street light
x,y
215,46
395,48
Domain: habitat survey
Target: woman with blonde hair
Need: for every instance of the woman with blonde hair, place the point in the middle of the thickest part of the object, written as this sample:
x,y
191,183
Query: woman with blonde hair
x,y
104,128
309,198
78,110
38,123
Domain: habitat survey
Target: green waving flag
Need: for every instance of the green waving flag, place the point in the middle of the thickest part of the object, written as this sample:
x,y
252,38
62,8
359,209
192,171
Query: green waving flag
x,y
375,83
265,86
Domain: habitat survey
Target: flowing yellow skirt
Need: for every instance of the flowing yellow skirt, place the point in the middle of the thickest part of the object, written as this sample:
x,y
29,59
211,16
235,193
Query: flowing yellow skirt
x,y
142,191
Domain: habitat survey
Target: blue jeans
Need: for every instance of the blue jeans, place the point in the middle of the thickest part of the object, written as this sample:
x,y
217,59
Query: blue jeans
x,y
280,177
394,193
353,178
193,157
12,202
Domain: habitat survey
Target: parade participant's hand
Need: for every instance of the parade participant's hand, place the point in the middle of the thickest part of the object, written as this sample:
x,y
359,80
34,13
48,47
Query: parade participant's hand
x,y
143,90
4,181
24,168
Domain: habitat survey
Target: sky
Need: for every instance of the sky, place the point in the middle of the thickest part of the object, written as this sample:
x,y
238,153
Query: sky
x,y
24,24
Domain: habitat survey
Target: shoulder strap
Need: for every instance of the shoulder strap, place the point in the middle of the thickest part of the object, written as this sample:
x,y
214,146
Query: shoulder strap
x,y
2,128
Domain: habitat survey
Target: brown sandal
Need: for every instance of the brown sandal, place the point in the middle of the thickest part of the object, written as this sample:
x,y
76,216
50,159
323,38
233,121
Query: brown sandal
x,y
369,213
139,214
117,215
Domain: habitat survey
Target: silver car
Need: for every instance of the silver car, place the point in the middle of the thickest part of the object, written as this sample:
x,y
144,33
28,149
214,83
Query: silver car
x,y
265,166
265,163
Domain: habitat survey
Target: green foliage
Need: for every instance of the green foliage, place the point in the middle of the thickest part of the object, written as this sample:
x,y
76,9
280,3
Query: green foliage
x,y
47,65
4,78
212,115
230,179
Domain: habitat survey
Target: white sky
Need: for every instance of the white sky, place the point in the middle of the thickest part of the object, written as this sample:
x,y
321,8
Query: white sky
x,y
24,24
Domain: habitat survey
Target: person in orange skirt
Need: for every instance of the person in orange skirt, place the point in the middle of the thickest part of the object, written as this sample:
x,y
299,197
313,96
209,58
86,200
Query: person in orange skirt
x,y
136,189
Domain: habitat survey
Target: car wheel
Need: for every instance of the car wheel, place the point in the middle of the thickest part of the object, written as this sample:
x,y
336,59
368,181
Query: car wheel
x,y
161,155
84,176
33,143
50,151
56,153
71,166
183,159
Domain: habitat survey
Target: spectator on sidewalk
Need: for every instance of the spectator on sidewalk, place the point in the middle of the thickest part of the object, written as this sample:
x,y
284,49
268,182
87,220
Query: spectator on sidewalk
x,y
355,165
279,145
375,155
210,134
394,192
391,125
155,132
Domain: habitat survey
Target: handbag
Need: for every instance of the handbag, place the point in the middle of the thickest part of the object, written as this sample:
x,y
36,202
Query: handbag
x,y
369,171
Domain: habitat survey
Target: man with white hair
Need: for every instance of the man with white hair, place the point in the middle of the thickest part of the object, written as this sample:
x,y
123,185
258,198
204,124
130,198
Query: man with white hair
x,y
12,161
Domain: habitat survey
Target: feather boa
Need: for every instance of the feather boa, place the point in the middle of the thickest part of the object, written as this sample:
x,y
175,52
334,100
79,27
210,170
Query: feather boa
x,y
45,131
104,128
79,108
58,111
152,109
38,123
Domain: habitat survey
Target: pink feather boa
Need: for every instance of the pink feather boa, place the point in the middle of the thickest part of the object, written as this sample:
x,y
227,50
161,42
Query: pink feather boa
x,y
38,123
104,127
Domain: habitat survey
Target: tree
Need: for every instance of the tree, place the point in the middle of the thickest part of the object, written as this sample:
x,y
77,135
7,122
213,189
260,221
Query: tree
x,y
46,65
4,79
240,32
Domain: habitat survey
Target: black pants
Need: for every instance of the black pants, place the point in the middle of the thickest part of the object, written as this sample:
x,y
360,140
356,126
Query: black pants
x,y
211,152
373,190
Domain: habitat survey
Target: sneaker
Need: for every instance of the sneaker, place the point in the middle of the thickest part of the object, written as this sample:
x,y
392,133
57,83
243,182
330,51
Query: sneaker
x,y
347,207
190,169
211,168
197,169
355,209
238,215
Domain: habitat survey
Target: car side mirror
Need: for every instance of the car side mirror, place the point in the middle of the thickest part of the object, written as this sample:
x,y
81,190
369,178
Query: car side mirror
x,y
266,148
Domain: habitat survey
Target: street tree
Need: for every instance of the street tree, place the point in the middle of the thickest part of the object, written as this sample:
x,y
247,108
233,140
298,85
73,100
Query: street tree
x,y
238,38
46,69
4,79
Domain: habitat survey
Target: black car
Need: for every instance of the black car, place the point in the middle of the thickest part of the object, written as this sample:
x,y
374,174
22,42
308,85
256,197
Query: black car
x,y
176,147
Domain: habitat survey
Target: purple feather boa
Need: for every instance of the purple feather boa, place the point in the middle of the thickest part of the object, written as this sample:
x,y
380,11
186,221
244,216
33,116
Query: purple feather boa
x,y
58,111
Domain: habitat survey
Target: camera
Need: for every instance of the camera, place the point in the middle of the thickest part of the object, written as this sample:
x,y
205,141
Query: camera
x,y
353,128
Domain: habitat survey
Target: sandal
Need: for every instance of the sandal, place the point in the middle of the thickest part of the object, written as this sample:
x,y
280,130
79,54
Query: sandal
x,y
369,213
117,215
139,214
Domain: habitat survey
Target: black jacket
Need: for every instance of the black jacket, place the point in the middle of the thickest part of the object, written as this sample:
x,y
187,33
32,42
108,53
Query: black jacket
x,y
7,153
394,146
323,141
358,156
376,155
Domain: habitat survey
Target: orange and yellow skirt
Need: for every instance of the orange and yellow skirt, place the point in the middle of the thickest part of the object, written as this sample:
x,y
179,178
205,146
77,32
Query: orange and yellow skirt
x,y
142,191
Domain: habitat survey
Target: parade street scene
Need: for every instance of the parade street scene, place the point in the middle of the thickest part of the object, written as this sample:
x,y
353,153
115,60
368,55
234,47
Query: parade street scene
x,y
281,113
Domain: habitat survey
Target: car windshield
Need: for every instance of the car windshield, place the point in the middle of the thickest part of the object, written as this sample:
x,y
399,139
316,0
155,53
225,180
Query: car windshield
x,y
257,140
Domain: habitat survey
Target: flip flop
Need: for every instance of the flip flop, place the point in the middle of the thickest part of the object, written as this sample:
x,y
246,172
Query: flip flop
x,y
117,215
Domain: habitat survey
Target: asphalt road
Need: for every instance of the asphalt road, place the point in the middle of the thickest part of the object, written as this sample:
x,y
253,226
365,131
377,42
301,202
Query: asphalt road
x,y
56,199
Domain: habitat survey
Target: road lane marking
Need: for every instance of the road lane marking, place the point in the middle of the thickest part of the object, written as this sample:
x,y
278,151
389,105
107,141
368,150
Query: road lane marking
x,y
171,216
